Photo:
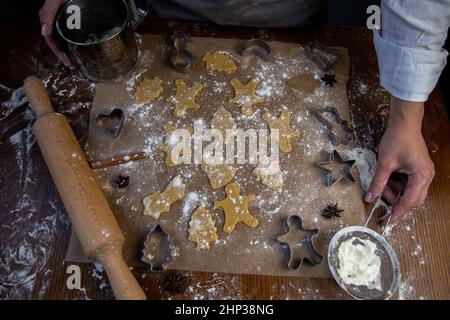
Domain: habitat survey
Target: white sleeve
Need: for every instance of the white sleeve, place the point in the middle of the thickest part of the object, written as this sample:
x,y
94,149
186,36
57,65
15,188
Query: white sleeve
x,y
409,46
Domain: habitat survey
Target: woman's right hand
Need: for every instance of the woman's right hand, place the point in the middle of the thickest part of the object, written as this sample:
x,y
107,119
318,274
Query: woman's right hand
x,y
47,15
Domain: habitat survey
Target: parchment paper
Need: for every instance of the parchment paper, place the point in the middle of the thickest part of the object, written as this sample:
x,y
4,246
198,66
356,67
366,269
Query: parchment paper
x,y
246,250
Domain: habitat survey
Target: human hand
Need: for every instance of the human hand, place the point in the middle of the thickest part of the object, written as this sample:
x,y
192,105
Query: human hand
x,y
47,15
403,150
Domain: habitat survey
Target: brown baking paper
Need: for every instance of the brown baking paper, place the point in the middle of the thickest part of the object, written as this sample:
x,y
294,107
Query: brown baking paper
x,y
288,81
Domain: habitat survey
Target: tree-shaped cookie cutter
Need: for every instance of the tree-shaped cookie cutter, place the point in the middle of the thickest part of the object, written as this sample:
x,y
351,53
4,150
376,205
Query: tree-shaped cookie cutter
x,y
328,126
302,249
158,249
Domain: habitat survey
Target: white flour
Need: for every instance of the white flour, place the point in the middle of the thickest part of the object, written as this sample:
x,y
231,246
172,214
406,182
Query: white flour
x,y
359,263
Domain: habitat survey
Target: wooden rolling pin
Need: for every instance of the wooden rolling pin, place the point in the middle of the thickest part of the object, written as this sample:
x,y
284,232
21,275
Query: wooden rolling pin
x,y
90,214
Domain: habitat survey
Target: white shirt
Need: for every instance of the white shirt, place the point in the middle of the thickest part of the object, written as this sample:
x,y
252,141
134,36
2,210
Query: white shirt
x,y
409,46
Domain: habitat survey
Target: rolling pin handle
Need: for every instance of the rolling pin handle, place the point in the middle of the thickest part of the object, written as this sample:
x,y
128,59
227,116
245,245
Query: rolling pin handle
x,y
37,96
123,283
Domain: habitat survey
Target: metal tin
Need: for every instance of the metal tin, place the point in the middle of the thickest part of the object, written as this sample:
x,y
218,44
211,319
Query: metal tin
x,y
104,46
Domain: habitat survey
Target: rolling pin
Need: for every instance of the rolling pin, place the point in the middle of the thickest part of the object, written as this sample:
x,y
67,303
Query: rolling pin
x,y
88,210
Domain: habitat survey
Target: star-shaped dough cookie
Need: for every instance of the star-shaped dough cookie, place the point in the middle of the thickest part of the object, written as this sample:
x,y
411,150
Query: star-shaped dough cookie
x,y
172,141
219,61
202,228
155,204
148,90
184,98
236,210
245,95
283,124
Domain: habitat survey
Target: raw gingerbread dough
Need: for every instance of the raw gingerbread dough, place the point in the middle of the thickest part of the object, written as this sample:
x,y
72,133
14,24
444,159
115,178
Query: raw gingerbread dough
x,y
283,124
155,204
184,98
236,210
269,172
202,229
219,61
245,95
220,174
148,90
223,121
171,142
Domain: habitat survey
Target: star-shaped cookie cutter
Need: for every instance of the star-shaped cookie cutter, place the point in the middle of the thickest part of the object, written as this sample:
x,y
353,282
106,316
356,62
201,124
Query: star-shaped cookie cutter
x,y
302,249
158,249
334,157
328,126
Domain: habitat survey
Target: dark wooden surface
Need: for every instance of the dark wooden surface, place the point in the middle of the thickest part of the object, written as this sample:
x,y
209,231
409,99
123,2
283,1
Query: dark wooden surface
x,y
32,258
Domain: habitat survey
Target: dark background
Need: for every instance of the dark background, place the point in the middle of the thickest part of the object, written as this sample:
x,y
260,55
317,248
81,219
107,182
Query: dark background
x,y
336,12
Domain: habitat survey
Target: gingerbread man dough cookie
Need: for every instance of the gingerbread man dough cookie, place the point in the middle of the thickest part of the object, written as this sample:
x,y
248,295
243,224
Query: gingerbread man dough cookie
x,y
269,172
245,95
172,141
219,61
148,90
202,228
155,204
184,98
283,124
236,210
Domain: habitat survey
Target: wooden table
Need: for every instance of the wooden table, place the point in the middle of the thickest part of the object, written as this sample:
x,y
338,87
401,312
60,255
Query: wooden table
x,y
34,232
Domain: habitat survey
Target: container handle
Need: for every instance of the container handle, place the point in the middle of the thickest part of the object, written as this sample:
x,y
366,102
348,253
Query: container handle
x,y
138,11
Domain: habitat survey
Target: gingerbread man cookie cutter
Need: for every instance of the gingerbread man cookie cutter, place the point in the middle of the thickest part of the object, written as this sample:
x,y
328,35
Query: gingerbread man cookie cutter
x,y
302,249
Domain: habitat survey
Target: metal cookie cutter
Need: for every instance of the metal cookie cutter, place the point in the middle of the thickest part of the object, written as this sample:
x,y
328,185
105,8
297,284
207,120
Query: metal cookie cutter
x,y
300,243
158,250
324,57
111,122
335,157
389,268
335,140
180,58
254,47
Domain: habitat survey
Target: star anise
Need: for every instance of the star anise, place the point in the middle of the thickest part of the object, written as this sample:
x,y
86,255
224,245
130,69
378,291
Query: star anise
x,y
175,283
122,181
332,211
329,79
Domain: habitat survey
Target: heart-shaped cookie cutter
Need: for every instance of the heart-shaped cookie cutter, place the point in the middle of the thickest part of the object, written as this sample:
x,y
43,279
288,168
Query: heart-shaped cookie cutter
x,y
295,227
111,122
180,58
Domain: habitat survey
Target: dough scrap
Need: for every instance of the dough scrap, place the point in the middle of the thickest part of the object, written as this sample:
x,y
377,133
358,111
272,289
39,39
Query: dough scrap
x,y
155,204
245,95
220,174
171,142
184,98
202,228
148,90
223,121
235,208
219,61
283,124
269,172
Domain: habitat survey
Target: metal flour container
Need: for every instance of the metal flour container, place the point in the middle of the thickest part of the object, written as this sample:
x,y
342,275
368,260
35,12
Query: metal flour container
x,y
100,35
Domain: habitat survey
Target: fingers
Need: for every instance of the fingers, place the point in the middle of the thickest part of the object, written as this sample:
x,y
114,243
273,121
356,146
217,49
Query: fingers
x,y
47,15
54,47
415,193
379,181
